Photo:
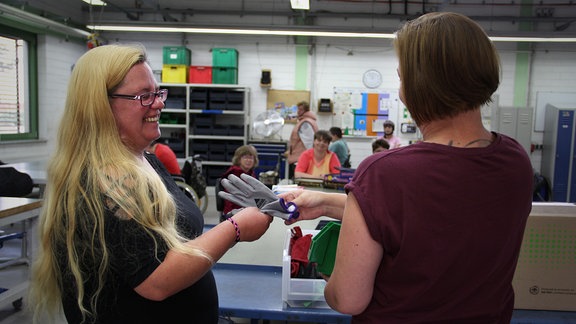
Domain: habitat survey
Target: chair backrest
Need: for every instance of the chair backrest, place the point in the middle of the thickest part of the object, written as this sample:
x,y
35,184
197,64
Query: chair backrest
x,y
219,201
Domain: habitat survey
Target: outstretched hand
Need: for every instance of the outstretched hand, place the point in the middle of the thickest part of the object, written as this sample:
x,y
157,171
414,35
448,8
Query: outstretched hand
x,y
310,204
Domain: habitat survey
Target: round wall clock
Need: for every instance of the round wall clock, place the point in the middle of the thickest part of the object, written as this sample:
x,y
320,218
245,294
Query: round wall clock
x,y
372,79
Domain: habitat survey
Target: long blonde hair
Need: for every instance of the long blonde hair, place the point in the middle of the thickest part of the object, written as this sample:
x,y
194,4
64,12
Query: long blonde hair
x,y
92,169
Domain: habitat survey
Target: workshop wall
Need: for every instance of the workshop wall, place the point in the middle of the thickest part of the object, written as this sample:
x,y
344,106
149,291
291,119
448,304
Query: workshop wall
x,y
331,63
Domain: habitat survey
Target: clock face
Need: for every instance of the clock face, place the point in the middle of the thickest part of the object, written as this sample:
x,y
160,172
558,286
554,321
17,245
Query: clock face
x,y
372,79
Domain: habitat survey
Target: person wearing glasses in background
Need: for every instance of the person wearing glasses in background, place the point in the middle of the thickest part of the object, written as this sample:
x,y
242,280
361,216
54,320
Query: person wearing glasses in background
x,y
120,242
244,161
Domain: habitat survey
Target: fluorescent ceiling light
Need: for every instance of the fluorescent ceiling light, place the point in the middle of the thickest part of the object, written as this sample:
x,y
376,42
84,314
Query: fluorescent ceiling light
x,y
281,32
300,4
95,2
534,39
237,31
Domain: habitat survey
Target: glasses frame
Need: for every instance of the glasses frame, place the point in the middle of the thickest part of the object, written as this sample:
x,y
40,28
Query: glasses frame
x,y
161,93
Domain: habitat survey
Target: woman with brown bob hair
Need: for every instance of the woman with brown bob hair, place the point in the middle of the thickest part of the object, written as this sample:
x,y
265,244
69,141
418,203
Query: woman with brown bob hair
x,y
431,232
446,72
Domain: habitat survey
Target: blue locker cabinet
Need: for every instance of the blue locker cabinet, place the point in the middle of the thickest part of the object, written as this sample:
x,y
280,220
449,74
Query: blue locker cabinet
x,y
559,152
270,154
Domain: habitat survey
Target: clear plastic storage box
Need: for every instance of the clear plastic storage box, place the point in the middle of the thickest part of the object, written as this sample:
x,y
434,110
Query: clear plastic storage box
x,y
298,292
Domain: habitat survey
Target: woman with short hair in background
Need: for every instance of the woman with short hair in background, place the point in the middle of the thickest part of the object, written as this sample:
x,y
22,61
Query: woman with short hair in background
x,y
317,161
245,160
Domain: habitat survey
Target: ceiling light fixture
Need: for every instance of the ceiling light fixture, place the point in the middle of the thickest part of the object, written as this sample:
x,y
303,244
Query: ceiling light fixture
x,y
95,2
282,32
300,4
237,31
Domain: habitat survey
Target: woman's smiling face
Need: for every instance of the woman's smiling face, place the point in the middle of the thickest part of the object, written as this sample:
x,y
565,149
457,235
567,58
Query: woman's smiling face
x,y
137,124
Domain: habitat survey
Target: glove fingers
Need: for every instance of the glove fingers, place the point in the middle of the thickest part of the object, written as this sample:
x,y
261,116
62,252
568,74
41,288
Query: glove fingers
x,y
262,189
241,185
237,199
232,188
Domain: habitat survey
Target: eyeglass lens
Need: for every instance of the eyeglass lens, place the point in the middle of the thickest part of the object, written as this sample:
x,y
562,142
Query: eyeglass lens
x,y
148,98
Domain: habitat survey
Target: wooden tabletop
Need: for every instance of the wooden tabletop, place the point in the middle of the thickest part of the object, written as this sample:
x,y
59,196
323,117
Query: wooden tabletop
x,y
10,205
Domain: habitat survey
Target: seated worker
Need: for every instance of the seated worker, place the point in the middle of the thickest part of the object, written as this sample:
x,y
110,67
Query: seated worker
x,y
380,145
339,146
244,161
317,161
165,154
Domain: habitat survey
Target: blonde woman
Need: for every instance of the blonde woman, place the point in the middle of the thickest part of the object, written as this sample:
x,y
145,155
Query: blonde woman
x,y
119,242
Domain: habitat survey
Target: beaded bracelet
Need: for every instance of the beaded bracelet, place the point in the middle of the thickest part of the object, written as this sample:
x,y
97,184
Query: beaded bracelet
x,y
236,227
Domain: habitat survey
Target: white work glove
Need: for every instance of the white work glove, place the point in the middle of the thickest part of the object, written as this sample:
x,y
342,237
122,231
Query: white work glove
x,y
247,191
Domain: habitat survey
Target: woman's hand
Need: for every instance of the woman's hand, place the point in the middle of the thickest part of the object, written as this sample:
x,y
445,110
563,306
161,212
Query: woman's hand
x,y
310,204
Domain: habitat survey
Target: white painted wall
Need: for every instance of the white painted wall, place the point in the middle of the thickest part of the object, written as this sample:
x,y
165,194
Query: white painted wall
x,y
552,68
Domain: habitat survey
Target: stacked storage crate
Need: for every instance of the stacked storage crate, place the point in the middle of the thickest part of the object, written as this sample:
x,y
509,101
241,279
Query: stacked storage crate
x,y
224,66
200,74
175,64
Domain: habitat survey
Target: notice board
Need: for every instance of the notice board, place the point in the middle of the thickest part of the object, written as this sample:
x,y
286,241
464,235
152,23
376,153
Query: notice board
x,y
285,102
365,110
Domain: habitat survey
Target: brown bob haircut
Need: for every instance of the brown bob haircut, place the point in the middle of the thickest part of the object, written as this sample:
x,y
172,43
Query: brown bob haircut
x,y
447,65
245,150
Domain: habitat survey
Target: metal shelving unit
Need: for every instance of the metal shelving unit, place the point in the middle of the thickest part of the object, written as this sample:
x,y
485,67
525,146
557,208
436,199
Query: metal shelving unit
x,y
206,119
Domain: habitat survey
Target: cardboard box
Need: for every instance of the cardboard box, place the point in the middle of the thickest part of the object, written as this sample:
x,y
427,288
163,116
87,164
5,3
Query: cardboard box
x,y
297,292
545,278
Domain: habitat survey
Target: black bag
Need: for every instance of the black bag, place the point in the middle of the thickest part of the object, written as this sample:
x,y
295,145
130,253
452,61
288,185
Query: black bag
x,y
347,162
192,173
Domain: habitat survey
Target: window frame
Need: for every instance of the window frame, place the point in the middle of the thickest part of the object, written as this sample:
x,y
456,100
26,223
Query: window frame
x,y
32,77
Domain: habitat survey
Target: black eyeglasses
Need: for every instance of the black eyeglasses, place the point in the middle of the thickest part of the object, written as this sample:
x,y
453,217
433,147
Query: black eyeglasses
x,y
146,99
